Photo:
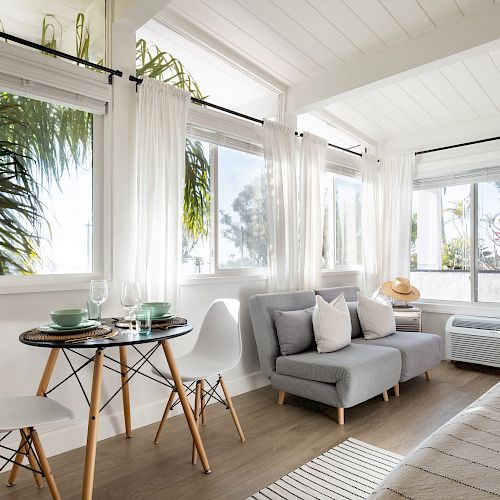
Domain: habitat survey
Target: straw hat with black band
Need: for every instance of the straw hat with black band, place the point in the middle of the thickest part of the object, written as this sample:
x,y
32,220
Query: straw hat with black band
x,y
400,289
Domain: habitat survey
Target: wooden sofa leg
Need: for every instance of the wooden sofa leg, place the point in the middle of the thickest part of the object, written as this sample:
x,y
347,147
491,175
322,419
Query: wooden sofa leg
x,y
385,395
281,397
428,375
340,416
396,390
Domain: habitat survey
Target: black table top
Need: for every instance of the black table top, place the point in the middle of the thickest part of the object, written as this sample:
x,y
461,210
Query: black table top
x,y
123,338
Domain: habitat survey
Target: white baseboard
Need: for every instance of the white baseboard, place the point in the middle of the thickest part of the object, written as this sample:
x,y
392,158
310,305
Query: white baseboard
x,y
74,435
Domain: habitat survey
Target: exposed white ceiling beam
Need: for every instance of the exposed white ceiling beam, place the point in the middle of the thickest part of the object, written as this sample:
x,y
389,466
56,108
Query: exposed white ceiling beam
x,y
135,13
466,36
186,27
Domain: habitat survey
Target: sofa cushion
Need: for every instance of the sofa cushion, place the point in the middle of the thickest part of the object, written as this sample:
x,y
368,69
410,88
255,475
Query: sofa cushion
x,y
294,330
420,352
331,324
376,317
355,324
331,367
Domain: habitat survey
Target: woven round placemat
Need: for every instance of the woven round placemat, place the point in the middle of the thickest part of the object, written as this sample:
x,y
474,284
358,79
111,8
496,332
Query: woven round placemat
x,y
160,324
37,335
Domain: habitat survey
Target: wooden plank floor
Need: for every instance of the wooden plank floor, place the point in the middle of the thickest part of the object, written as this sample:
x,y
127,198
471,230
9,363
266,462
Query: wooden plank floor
x,y
279,439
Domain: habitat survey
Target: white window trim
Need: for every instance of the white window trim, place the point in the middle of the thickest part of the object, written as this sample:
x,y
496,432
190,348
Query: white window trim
x,y
31,74
233,133
342,171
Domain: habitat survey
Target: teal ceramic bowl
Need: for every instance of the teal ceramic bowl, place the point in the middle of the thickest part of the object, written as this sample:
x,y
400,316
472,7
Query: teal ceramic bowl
x,y
158,309
68,317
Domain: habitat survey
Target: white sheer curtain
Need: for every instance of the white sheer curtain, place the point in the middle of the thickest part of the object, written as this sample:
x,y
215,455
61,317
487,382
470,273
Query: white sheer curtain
x,y
311,209
159,179
280,152
386,217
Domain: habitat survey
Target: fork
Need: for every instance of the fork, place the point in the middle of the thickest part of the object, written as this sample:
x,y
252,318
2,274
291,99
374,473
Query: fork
x,y
107,336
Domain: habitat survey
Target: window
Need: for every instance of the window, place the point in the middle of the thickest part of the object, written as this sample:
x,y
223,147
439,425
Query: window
x,y
440,242
234,232
342,246
46,188
75,27
455,238
488,279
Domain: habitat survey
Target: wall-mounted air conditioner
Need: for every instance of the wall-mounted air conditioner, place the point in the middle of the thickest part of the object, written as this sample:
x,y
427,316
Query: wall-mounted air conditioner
x,y
473,339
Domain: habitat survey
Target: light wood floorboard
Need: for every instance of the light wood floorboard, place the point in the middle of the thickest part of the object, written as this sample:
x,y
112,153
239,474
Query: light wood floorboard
x,y
279,439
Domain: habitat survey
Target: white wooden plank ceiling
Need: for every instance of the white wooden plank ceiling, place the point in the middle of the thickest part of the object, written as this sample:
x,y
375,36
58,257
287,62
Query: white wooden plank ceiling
x,y
295,40
299,39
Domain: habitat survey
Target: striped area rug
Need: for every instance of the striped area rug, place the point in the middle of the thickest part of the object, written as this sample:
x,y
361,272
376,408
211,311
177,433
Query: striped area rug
x,y
351,470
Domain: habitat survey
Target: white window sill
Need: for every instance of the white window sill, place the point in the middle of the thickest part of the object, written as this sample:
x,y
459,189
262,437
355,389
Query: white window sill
x,y
39,284
341,272
488,309
212,279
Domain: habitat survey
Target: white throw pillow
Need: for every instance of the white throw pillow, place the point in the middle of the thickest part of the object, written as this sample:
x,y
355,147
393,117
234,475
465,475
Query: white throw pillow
x,y
331,324
376,317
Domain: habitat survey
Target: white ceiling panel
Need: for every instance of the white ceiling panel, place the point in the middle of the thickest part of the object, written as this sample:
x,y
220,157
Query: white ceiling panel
x,y
297,39
467,86
487,75
410,16
441,11
318,26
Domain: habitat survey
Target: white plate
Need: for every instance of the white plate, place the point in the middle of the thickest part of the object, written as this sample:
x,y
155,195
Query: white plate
x,y
165,316
86,325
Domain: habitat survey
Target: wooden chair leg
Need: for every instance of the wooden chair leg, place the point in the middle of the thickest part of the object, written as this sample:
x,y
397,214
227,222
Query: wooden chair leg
x,y
203,409
396,390
197,410
170,402
281,397
44,463
428,375
340,416
25,433
42,387
231,409
385,395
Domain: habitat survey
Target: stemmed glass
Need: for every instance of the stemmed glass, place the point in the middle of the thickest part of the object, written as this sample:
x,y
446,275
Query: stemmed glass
x,y
98,295
130,299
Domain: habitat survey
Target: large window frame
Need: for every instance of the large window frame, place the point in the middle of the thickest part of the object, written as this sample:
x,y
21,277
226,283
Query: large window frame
x,y
339,171
218,139
474,247
37,76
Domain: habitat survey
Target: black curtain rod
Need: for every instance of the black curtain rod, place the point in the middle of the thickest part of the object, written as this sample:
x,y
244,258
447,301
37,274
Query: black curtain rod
x,y
63,55
138,81
479,141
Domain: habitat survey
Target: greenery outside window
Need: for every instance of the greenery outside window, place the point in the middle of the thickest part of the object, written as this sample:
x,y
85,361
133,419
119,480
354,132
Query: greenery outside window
x,y
234,237
46,196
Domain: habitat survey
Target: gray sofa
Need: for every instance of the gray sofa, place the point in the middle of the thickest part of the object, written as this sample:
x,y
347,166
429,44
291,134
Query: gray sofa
x,y
342,378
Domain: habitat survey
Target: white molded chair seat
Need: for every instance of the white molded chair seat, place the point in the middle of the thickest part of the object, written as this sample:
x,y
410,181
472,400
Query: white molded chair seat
x,y
216,351
196,366
19,412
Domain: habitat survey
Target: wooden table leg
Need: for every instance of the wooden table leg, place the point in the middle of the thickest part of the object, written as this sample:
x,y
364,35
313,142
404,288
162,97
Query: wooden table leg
x,y
42,388
188,412
125,391
95,398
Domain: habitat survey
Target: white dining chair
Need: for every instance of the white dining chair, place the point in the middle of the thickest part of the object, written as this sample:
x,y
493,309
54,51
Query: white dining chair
x,y
23,414
216,351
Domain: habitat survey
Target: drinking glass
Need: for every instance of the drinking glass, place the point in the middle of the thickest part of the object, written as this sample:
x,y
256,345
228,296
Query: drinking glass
x,y
98,295
130,299
143,320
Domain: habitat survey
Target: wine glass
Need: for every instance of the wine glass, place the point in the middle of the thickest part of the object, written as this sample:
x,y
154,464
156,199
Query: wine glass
x,y
98,295
130,299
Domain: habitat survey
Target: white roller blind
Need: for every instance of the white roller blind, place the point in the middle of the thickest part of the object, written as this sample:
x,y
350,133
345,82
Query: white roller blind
x,y
466,177
31,74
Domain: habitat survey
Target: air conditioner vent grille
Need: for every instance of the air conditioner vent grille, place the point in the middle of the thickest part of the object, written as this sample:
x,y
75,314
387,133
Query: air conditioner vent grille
x,y
474,349
480,324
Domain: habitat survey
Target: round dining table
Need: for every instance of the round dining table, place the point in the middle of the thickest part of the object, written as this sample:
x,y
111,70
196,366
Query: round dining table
x,y
123,340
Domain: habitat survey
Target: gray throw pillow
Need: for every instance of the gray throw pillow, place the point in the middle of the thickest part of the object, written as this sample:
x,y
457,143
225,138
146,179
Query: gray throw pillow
x,y
356,325
295,330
